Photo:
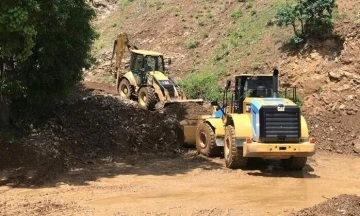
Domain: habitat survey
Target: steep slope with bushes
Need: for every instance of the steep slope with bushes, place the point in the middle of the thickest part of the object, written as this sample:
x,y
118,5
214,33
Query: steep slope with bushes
x,y
210,41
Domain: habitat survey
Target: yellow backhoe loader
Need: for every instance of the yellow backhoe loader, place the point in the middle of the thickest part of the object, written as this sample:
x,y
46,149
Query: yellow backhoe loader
x,y
255,123
146,80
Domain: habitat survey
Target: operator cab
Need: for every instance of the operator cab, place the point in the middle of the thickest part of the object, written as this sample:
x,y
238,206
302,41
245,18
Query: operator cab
x,y
142,62
247,85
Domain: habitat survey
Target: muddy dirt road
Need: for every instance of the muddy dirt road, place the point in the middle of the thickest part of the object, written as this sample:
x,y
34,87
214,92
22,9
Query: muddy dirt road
x,y
189,185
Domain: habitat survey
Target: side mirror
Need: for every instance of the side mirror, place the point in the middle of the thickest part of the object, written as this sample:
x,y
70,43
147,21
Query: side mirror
x,y
169,61
228,84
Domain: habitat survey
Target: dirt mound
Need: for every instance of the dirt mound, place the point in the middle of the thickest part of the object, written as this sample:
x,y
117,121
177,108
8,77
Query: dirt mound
x,y
338,134
94,127
189,110
46,206
340,205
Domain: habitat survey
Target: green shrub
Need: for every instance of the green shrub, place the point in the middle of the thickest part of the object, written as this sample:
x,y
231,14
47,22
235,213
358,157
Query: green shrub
x,y
202,85
236,14
313,16
192,44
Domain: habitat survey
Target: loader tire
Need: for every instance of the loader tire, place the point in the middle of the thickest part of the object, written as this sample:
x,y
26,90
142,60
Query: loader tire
x,y
205,141
233,155
125,89
147,98
294,163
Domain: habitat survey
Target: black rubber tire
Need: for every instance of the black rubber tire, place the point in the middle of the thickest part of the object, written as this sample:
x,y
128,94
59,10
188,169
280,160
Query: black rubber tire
x,y
294,163
233,156
151,98
205,141
125,84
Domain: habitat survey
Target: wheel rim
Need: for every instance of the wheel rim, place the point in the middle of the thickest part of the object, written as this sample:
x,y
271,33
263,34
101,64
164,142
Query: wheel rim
x,y
202,140
142,98
124,90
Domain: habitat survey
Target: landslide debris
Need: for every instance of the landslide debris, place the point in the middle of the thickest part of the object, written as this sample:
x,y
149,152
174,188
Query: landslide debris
x,y
94,126
188,110
336,134
340,205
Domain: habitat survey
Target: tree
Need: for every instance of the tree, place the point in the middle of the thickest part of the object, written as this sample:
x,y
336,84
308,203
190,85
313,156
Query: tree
x,y
44,45
313,16
17,27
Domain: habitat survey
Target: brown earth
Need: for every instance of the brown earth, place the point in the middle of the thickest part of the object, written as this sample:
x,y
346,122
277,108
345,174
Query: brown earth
x,y
95,124
189,185
326,72
116,156
340,205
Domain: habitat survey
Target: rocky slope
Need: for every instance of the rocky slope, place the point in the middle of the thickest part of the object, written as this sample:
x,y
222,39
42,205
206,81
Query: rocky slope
x,y
327,75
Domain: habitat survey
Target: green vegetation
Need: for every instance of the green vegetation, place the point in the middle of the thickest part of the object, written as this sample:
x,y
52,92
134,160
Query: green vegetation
x,y
236,14
201,22
250,28
124,3
193,43
44,47
156,4
202,85
309,18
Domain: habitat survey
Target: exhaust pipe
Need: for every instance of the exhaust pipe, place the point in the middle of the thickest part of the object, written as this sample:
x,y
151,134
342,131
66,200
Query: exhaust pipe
x,y
275,83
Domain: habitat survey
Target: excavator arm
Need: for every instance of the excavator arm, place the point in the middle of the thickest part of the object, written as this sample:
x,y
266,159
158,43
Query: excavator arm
x,y
120,44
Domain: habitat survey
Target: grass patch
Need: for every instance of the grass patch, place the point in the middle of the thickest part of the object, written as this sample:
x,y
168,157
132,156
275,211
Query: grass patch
x,y
201,22
192,43
244,36
124,3
157,4
236,14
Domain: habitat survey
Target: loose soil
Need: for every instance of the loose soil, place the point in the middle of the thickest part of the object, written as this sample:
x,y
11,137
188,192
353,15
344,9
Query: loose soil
x,y
340,205
99,155
191,185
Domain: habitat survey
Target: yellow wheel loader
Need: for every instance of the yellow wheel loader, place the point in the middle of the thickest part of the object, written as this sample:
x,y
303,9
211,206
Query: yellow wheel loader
x,y
255,122
146,80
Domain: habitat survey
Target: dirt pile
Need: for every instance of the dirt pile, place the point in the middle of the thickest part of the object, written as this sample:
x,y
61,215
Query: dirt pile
x,y
99,126
46,206
337,134
340,205
190,110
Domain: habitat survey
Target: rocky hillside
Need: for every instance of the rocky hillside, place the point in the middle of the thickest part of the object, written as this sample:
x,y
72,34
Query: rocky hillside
x,y
232,37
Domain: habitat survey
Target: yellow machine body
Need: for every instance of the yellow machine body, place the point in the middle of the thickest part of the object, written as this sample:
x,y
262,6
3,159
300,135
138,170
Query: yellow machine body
x,y
256,124
146,79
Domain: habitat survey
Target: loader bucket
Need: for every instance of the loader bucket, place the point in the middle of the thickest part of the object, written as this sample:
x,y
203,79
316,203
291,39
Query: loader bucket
x,y
162,104
188,127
